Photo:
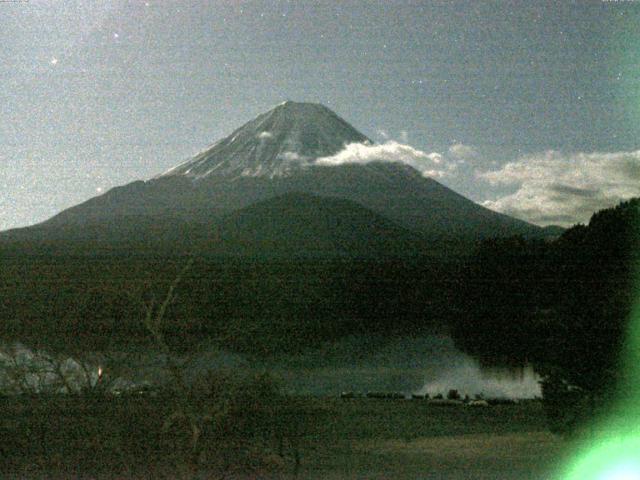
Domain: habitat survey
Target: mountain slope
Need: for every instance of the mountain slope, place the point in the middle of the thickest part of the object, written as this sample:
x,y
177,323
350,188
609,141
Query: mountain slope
x,y
291,225
299,224
403,195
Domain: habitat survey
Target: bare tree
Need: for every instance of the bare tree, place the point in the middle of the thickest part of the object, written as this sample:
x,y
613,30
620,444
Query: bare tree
x,y
183,412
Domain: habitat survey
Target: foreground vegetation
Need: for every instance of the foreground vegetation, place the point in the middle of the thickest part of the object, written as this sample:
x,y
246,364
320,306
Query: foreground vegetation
x,y
276,437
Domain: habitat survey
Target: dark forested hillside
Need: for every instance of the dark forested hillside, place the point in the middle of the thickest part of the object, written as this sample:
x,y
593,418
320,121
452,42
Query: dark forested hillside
x,y
563,305
246,304
554,301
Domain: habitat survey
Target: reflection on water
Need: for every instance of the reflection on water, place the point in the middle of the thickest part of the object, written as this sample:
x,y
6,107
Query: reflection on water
x,y
428,364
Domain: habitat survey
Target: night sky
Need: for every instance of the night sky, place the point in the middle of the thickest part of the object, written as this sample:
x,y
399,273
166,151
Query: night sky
x,y
534,107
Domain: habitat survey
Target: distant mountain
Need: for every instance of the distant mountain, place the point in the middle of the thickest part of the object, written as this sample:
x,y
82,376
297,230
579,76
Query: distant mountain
x,y
553,231
291,225
272,156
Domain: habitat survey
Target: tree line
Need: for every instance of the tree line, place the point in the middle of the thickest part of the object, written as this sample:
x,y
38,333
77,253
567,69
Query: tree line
x,y
564,306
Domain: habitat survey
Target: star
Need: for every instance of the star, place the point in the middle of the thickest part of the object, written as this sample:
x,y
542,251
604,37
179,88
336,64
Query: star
x,y
115,35
53,61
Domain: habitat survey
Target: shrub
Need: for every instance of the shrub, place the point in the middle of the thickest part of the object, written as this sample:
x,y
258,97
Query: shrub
x,y
453,395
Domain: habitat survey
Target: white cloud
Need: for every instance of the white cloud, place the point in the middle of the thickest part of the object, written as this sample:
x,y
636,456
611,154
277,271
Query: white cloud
x,y
435,157
461,151
292,157
556,188
429,164
265,135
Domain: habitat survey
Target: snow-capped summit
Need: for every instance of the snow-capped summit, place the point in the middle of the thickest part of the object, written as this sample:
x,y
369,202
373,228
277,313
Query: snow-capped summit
x,y
285,139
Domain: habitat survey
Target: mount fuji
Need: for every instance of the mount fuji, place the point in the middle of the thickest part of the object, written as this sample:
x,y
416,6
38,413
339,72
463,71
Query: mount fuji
x,y
268,185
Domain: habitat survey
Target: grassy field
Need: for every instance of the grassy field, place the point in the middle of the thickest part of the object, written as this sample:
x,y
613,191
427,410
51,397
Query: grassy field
x,y
488,456
393,439
105,438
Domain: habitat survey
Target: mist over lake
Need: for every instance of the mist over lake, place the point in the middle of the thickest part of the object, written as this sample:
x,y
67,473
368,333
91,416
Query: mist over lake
x,y
429,364
425,364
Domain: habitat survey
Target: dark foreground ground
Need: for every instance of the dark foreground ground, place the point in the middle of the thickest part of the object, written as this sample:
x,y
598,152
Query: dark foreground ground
x,y
131,437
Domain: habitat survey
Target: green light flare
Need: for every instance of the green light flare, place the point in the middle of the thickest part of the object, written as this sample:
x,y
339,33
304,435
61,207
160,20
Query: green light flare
x,y
615,458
